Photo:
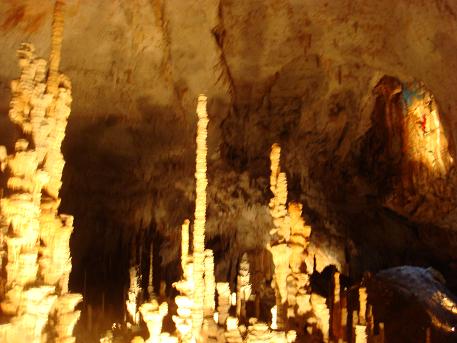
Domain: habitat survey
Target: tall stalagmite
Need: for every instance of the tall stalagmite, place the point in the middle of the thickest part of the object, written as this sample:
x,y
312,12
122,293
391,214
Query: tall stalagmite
x,y
279,234
200,217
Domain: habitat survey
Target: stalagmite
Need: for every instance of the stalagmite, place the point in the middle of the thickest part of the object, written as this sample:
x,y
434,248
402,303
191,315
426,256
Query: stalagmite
x,y
66,317
322,315
274,317
133,292
210,284
38,244
344,318
298,281
184,243
223,301
243,287
279,234
370,322
259,332
200,218
363,305
232,335
360,334
153,316
184,301
151,275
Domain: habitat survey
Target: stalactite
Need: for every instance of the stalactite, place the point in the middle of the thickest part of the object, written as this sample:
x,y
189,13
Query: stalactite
x,y
200,217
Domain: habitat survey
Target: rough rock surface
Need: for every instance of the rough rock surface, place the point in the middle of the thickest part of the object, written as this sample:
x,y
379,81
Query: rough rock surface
x,y
300,73
412,292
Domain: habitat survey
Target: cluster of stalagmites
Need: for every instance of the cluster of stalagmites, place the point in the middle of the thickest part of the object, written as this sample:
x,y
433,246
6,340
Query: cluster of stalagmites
x,y
35,238
298,312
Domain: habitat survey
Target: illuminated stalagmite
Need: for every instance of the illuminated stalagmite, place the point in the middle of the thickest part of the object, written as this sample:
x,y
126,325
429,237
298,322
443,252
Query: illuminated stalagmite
x,y
210,284
288,243
132,294
198,240
322,315
280,233
38,261
223,301
184,244
153,314
243,287
232,334
298,281
185,286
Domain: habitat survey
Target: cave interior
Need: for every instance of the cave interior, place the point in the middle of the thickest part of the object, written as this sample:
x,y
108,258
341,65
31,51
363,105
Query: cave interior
x,y
228,171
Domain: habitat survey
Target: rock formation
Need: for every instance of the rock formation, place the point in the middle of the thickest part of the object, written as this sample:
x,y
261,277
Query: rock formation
x,y
198,238
243,291
38,262
153,314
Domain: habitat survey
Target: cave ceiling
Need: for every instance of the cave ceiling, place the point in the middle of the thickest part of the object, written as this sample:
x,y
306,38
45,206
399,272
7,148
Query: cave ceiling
x,y
322,78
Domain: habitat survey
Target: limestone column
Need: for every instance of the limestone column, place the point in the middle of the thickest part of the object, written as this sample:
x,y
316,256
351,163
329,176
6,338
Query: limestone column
x,y
200,217
210,285
184,243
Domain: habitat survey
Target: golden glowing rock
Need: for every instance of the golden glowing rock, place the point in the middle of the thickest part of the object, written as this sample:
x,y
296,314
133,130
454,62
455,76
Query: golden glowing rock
x,y
223,301
184,243
183,320
322,314
200,217
134,291
362,305
360,334
153,315
210,284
